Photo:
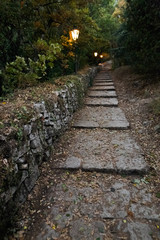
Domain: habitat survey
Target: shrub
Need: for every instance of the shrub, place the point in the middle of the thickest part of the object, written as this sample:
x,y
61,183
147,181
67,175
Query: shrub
x,y
14,71
19,74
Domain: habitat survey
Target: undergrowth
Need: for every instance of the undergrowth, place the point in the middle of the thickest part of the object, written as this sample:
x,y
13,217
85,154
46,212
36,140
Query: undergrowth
x,y
155,106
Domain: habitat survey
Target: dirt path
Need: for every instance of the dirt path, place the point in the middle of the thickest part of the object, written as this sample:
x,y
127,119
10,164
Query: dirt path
x,y
95,186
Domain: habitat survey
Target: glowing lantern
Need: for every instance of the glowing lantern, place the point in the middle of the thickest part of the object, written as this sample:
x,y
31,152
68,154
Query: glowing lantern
x,y
74,34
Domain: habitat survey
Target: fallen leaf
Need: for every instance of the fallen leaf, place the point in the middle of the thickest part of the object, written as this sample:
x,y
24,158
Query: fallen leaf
x,y
130,214
144,180
81,229
54,227
58,217
136,181
65,189
115,145
80,198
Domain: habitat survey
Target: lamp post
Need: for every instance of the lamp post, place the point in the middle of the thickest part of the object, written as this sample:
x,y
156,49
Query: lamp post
x,y
74,34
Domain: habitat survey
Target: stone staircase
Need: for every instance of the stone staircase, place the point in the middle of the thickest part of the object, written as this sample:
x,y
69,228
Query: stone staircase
x,y
111,151
86,203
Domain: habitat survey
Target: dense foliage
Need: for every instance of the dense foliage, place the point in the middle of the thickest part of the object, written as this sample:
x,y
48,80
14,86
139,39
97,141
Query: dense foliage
x,y
139,35
36,32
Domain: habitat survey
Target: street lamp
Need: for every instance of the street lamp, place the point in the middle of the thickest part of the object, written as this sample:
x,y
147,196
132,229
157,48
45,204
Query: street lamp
x,y
74,34
95,54
101,56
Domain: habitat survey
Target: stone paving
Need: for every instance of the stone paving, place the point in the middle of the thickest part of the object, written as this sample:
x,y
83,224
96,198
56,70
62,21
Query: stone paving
x,y
103,194
110,102
111,208
101,117
103,83
102,88
107,94
104,151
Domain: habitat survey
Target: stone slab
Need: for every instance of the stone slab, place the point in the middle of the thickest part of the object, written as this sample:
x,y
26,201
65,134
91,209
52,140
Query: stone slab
x,y
102,88
134,230
103,76
104,94
102,117
103,84
108,102
104,151
86,124
103,81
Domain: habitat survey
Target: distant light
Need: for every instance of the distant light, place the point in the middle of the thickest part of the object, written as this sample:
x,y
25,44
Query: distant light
x,y
95,54
75,34
101,56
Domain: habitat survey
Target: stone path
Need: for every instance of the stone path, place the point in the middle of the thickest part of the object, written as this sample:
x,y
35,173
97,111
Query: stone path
x,y
105,94
102,193
112,151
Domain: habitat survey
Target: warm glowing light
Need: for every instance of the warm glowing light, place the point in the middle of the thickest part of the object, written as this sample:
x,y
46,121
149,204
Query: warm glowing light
x,y
95,54
74,34
101,56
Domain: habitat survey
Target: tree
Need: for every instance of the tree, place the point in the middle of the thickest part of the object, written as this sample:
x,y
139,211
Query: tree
x,y
29,27
16,29
102,14
139,35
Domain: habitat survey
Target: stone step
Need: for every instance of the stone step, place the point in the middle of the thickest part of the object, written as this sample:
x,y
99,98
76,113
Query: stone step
x,y
102,88
104,151
103,75
100,117
103,84
108,102
103,81
105,94
98,79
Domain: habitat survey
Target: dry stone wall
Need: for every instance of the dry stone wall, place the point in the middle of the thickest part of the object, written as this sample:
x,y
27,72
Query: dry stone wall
x,y
38,136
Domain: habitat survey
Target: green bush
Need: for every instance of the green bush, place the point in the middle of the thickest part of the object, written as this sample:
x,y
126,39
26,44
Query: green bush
x,y
19,74
13,73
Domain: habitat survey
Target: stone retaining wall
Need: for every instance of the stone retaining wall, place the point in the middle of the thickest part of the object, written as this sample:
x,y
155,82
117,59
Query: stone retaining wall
x,y
39,134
